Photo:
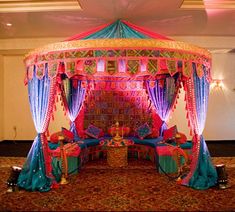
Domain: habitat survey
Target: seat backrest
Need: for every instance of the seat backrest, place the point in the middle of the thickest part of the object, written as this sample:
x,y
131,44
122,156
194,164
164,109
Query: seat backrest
x,y
170,133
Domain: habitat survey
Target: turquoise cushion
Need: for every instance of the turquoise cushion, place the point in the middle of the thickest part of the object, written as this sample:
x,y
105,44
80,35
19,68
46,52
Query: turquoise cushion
x,y
186,145
153,142
53,146
89,142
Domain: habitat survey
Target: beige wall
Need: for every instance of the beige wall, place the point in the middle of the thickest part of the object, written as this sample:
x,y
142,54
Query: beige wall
x,y
220,123
1,99
221,111
16,106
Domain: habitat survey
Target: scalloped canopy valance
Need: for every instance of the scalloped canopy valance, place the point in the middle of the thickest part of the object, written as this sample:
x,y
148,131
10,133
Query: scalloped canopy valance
x,y
119,49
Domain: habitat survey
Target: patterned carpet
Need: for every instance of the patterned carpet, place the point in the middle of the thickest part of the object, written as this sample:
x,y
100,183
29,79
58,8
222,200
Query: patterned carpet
x,y
137,187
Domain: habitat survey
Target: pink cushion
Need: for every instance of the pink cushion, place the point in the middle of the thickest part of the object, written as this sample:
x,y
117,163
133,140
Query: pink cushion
x,y
154,134
181,138
170,133
157,122
71,150
54,138
69,136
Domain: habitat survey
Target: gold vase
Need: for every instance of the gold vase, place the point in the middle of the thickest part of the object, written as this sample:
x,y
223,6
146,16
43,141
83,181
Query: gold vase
x,y
64,169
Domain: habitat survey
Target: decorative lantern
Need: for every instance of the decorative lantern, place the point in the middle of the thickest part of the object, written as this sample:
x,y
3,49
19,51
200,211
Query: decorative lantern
x,y
222,181
12,180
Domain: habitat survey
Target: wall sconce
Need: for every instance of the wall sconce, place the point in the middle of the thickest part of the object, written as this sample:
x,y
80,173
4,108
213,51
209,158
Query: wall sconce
x,y
217,84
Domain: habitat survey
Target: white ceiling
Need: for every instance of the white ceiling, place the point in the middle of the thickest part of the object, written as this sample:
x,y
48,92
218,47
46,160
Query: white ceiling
x,y
162,16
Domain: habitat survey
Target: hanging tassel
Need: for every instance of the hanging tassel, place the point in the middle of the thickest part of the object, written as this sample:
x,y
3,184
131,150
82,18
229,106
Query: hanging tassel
x,y
189,125
191,132
75,83
47,133
26,79
55,108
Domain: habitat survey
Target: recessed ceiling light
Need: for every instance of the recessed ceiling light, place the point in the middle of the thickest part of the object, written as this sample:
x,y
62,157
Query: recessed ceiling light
x,y
8,24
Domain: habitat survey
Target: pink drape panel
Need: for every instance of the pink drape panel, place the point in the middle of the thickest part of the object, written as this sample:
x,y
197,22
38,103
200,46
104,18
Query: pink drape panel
x,y
146,32
85,34
193,123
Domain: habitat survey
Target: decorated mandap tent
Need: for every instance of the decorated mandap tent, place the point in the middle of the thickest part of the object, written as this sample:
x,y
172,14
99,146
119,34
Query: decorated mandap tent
x,y
115,56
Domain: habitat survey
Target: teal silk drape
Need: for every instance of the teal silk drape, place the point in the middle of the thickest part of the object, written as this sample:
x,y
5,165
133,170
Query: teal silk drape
x,y
116,30
36,173
33,175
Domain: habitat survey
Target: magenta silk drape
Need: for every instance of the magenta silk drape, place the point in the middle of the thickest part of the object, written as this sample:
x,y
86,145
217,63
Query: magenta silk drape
x,y
85,34
146,32
193,123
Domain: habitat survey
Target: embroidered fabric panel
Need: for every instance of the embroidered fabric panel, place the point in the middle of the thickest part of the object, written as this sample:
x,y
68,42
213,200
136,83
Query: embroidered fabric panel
x,y
118,62
104,107
143,131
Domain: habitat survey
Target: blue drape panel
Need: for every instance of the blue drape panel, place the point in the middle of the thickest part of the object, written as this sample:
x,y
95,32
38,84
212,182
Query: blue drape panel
x,y
163,95
202,174
205,174
34,174
73,94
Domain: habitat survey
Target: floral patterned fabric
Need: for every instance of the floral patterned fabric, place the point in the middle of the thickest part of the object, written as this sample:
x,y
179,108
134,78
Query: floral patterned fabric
x,y
94,131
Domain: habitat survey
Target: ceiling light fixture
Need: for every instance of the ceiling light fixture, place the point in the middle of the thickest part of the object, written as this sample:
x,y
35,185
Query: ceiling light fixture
x,y
8,24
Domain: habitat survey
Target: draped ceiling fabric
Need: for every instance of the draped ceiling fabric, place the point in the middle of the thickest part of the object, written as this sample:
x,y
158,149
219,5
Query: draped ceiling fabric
x,y
122,50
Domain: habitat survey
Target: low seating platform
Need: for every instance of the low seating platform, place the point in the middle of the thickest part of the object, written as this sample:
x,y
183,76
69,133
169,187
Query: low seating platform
x,y
149,149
